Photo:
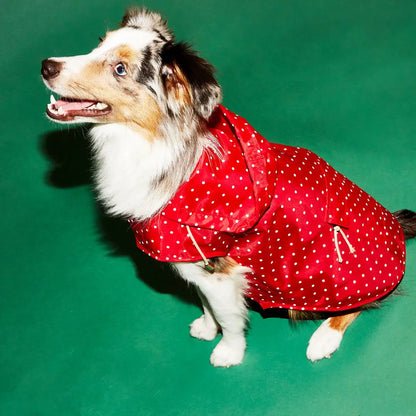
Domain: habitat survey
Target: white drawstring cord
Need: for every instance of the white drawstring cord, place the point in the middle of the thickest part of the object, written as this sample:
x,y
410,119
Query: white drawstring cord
x,y
338,229
208,266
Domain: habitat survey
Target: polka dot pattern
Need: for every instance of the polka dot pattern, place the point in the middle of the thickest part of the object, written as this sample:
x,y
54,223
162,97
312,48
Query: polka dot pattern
x,y
273,208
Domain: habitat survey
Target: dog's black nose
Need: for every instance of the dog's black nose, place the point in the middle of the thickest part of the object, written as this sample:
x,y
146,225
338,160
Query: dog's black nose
x,y
50,69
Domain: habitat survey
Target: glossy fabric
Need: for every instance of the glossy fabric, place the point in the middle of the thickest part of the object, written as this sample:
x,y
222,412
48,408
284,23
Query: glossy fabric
x,y
274,208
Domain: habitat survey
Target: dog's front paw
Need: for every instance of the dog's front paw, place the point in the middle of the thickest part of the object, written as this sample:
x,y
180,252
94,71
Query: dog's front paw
x,y
204,329
323,342
226,355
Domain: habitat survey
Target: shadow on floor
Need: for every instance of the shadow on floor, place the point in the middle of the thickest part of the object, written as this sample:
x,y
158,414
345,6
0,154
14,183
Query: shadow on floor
x,y
69,152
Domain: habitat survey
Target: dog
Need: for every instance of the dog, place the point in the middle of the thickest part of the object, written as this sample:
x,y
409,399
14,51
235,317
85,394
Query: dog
x,y
235,215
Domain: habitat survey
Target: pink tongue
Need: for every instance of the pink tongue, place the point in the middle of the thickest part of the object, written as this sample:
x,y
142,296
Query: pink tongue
x,y
74,105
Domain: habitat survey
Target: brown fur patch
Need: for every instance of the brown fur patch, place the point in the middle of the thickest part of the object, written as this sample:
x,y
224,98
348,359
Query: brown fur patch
x,y
341,323
126,54
178,85
224,265
141,113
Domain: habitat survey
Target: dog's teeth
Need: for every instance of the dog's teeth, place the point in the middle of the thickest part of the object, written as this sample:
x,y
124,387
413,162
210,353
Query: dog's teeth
x,y
50,108
53,101
97,106
61,111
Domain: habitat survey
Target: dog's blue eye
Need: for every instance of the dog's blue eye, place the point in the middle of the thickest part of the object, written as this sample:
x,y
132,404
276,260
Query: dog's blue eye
x,y
120,69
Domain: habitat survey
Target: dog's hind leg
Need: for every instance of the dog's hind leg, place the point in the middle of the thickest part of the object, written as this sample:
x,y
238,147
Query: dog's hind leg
x,y
223,292
327,338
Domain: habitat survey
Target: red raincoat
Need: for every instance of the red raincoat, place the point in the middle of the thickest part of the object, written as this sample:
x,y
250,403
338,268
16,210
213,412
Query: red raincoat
x,y
314,240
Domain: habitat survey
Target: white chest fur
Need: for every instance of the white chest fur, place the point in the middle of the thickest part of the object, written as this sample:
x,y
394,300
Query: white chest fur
x,y
127,166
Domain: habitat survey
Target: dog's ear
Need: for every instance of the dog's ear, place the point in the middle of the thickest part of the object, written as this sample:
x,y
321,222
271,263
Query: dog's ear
x,y
141,18
189,79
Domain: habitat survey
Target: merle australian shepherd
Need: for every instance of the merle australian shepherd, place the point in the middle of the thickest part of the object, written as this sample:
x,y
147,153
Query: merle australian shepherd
x,y
235,215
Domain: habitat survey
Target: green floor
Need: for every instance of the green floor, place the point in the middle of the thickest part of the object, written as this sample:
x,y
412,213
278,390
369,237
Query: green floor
x,y
89,326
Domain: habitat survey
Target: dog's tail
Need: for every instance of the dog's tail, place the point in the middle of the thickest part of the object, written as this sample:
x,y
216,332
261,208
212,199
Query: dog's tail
x,y
407,219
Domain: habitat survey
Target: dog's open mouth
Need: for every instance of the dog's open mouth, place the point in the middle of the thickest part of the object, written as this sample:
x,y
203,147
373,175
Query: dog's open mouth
x,y
66,109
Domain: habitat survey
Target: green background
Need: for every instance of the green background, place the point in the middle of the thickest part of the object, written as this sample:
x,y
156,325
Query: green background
x,y
88,325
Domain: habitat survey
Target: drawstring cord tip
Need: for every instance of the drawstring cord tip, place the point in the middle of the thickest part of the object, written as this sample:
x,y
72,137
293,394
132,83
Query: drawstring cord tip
x,y
209,267
338,229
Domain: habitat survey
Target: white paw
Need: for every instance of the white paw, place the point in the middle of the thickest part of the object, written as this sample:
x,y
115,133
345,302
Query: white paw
x,y
323,342
203,329
226,355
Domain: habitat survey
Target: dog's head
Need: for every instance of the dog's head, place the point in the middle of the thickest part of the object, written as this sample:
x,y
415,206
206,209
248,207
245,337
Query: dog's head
x,y
137,75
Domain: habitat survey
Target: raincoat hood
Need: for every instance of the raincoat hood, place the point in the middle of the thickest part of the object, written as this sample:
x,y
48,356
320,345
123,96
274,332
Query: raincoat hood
x,y
243,172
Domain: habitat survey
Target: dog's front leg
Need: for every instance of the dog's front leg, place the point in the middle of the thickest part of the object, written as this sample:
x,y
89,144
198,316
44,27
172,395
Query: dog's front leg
x,y
223,294
205,327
